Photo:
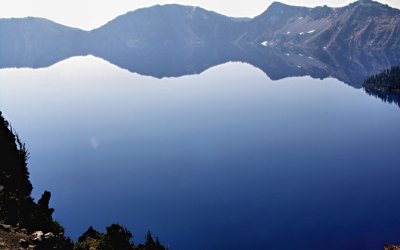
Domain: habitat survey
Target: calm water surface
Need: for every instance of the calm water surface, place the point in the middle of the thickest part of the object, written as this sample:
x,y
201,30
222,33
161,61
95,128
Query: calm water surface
x,y
227,159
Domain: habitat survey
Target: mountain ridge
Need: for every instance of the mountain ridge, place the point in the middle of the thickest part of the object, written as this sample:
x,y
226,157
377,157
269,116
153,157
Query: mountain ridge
x,y
324,27
346,34
193,6
361,24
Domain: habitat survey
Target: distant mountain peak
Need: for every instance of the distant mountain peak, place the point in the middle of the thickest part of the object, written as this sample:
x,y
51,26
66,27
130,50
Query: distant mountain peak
x,y
278,5
364,24
367,3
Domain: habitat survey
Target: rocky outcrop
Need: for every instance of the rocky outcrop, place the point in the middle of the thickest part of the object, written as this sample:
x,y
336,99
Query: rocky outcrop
x,y
364,24
14,237
392,247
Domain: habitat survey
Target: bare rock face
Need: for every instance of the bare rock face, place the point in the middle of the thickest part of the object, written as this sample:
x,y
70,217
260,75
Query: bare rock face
x,y
23,243
392,247
12,238
19,239
5,227
37,236
364,24
49,235
361,25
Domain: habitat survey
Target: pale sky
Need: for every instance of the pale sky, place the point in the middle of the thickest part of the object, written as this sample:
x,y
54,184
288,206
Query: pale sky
x,y
89,14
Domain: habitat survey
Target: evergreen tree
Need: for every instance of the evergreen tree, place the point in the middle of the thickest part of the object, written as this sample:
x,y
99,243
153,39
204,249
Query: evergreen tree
x,y
116,238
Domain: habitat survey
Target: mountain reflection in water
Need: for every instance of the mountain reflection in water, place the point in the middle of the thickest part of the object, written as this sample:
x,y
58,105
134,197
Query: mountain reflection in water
x,y
169,61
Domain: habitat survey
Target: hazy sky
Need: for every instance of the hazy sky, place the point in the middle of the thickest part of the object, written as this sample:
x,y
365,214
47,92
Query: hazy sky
x,y
88,14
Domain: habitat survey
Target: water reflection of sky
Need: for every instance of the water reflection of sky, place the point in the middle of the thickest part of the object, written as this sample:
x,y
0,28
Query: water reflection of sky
x,y
223,160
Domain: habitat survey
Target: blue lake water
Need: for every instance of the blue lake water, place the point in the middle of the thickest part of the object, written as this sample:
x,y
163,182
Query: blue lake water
x,y
227,159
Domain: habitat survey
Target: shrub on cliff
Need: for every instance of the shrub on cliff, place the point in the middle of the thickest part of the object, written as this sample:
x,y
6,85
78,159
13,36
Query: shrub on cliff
x,y
17,207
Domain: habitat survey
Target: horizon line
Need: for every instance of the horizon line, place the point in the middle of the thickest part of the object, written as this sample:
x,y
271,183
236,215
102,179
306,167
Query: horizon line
x,y
185,5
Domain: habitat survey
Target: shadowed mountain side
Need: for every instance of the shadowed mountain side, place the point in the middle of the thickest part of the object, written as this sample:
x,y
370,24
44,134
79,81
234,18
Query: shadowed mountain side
x,y
348,43
386,97
37,43
170,61
364,24
169,24
176,61
354,68
385,85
